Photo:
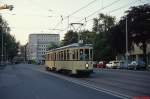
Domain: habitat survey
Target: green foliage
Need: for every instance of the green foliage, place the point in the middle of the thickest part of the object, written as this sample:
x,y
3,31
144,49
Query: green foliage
x,y
52,45
88,37
70,37
9,43
102,47
103,23
117,39
138,23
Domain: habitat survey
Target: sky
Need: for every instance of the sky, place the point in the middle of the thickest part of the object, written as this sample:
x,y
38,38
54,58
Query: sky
x,y
51,16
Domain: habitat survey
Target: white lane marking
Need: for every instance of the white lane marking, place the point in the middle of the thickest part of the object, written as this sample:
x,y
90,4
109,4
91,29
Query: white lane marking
x,y
113,93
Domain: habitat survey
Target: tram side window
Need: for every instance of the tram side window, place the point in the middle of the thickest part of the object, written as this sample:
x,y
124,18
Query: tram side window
x,y
91,54
48,57
68,57
86,54
77,54
55,56
52,56
61,55
73,55
81,54
64,54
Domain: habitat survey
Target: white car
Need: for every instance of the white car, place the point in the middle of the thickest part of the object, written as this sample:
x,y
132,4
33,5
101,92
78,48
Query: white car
x,y
112,64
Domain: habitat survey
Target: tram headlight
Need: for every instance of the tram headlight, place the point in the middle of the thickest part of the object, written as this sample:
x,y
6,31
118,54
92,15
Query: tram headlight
x,y
87,65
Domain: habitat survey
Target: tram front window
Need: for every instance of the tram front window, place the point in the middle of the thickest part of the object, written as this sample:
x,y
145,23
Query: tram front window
x,y
84,54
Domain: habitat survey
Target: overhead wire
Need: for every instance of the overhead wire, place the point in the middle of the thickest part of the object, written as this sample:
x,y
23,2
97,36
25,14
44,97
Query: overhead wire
x,y
75,12
105,8
117,9
101,9
82,8
124,6
109,11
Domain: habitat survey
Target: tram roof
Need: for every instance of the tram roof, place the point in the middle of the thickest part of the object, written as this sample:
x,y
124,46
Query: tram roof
x,y
74,45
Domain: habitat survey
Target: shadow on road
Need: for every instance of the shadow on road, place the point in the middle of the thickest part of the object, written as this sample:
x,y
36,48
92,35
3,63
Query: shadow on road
x,y
2,67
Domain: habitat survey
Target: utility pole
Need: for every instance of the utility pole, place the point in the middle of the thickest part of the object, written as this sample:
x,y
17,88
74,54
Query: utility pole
x,y
10,7
25,53
2,49
127,42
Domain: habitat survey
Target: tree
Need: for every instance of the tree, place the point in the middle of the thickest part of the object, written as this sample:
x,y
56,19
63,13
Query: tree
x,y
138,22
117,39
103,23
70,37
52,45
88,37
10,46
102,47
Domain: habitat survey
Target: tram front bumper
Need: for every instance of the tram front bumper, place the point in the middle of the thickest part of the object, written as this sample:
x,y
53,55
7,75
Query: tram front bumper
x,y
84,71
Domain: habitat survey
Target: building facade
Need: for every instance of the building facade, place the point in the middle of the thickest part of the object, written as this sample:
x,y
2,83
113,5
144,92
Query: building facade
x,y
38,46
137,53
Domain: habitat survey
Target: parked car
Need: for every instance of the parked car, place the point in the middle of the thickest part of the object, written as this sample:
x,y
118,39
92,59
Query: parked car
x,y
124,65
112,64
101,64
148,67
94,63
136,65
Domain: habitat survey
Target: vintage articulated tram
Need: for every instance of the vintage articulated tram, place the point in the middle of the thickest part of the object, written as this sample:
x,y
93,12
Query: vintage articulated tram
x,y
74,59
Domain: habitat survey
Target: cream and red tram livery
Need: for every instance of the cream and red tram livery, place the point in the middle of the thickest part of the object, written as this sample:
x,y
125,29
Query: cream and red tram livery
x,y
74,58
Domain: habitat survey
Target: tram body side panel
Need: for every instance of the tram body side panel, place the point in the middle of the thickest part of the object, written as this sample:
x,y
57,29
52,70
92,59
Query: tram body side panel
x,y
49,64
74,66
63,65
80,66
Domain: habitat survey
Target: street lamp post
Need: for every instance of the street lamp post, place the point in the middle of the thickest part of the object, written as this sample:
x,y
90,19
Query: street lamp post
x,y
2,50
10,7
126,42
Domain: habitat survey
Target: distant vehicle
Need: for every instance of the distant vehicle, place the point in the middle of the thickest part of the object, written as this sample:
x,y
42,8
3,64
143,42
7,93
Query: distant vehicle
x,y
18,60
148,67
132,65
101,64
136,65
121,64
112,64
94,64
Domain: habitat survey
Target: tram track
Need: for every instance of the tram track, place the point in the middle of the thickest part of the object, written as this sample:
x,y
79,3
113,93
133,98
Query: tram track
x,y
127,89
84,83
116,86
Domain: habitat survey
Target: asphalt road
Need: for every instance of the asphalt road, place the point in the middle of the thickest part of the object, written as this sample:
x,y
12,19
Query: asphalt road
x,y
129,83
26,82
